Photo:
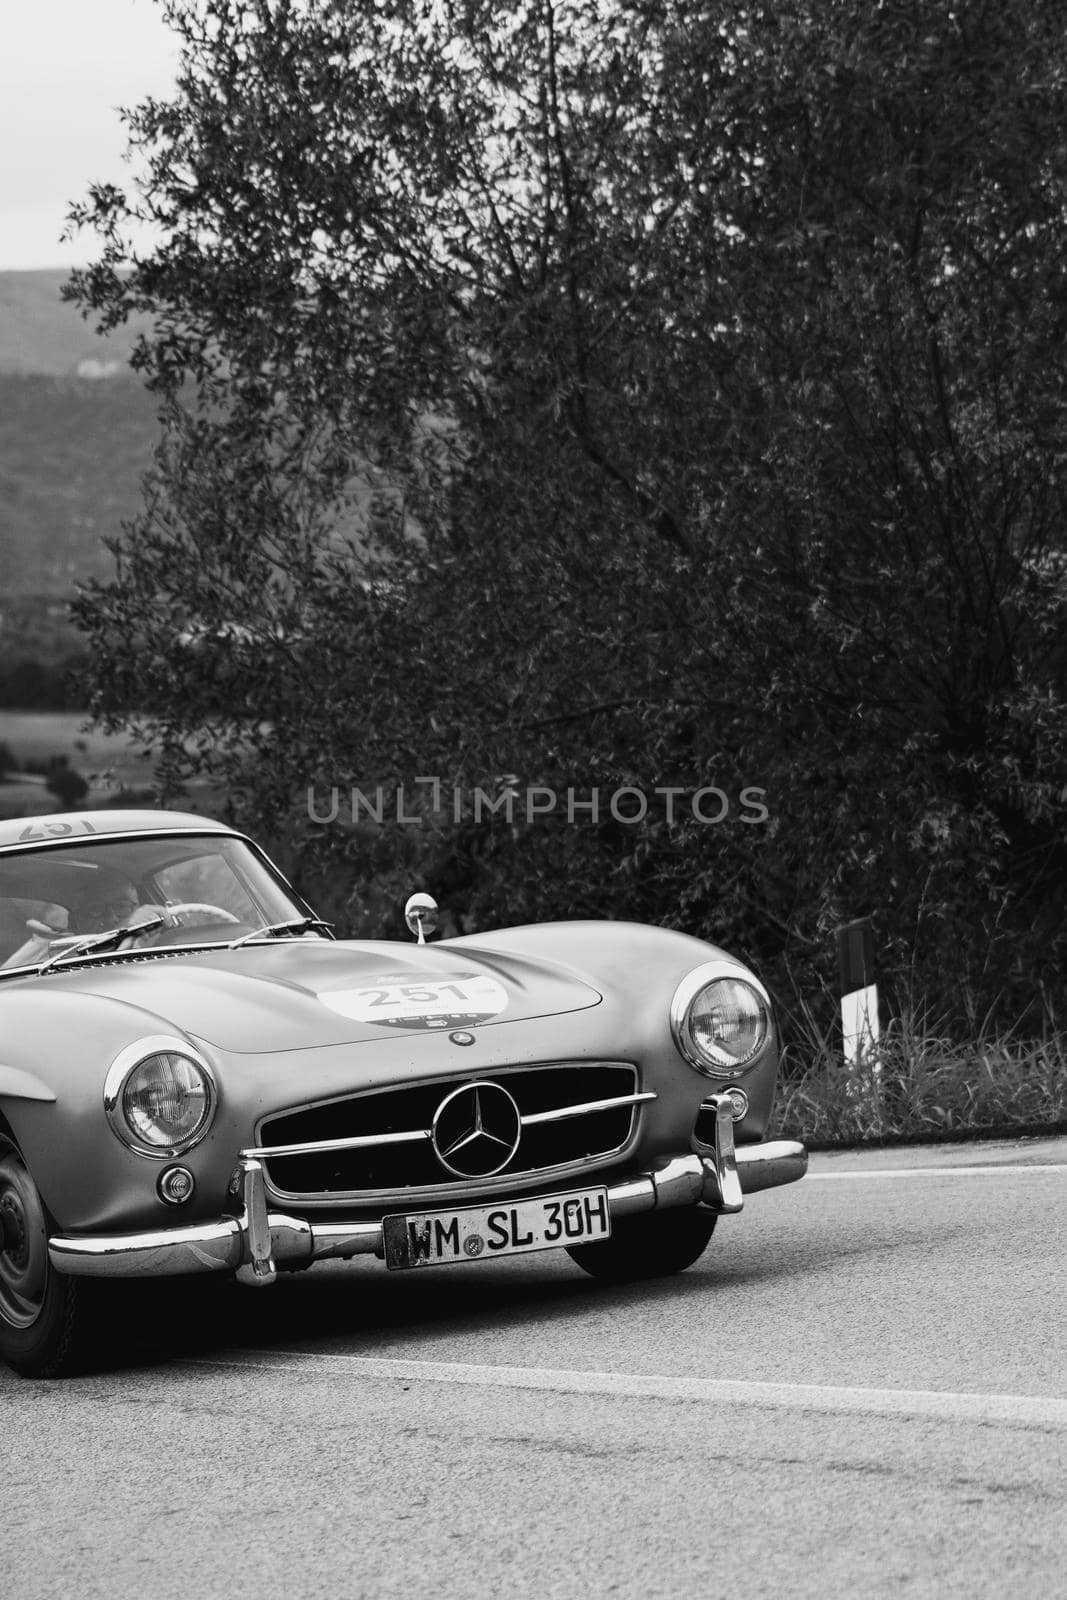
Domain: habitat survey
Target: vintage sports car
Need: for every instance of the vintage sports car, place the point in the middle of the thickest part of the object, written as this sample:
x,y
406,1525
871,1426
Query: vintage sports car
x,y
196,1077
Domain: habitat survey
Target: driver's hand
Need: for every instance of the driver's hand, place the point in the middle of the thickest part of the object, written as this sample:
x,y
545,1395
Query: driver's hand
x,y
189,916
173,917
146,913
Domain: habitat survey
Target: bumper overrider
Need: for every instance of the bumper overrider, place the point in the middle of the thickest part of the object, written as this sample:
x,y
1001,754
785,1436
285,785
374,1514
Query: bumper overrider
x,y
255,1241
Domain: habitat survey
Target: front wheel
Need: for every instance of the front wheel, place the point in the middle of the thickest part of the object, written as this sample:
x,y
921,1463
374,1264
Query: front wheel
x,y
654,1244
46,1319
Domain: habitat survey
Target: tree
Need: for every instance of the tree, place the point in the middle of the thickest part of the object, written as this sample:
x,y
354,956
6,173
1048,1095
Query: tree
x,y
624,395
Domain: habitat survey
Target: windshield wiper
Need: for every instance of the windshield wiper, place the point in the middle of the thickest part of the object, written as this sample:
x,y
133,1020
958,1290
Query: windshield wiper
x,y
100,941
273,929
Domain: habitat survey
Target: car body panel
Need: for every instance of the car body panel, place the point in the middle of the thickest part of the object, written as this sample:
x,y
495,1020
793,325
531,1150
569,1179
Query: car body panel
x,y
286,995
18,1085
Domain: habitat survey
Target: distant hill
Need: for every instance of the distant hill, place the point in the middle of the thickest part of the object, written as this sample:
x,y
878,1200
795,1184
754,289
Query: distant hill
x,y
72,453
76,436
45,336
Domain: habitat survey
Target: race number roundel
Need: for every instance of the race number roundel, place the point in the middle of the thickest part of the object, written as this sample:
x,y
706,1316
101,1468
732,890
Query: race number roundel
x,y
410,1001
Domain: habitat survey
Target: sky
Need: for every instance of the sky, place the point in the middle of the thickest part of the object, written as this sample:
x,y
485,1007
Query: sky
x,y
65,67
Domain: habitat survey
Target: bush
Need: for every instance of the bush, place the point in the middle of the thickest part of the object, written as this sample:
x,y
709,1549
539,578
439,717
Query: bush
x,y
65,782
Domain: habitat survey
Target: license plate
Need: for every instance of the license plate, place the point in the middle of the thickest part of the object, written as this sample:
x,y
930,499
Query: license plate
x,y
480,1233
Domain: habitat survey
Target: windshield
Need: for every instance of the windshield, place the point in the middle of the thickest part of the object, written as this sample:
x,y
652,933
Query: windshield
x,y
200,890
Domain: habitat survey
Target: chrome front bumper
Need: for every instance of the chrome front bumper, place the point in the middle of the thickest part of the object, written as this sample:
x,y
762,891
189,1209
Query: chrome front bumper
x,y
255,1242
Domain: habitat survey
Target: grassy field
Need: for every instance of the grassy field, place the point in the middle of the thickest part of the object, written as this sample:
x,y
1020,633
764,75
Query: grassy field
x,y
34,735
109,763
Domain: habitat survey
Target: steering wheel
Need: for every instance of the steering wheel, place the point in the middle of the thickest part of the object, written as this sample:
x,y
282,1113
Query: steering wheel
x,y
203,906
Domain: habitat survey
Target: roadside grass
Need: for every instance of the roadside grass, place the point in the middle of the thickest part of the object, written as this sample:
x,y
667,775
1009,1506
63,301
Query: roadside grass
x,y
925,1080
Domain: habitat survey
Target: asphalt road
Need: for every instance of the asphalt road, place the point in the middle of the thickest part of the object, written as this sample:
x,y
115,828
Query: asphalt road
x,y
861,1389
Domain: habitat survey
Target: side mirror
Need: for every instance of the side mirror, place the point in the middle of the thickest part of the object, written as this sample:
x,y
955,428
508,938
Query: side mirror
x,y
420,914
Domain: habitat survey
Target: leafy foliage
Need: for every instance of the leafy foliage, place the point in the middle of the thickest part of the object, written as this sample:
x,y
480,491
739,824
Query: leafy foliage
x,y
616,395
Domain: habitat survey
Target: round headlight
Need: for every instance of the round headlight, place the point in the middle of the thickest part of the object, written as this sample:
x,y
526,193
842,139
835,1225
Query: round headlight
x,y
159,1097
720,1022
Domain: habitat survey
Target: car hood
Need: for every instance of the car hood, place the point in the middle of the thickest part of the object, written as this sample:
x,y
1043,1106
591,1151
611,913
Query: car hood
x,y
304,994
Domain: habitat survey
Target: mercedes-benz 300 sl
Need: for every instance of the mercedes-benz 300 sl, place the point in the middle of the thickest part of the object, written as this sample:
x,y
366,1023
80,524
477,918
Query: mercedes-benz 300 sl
x,y
197,1077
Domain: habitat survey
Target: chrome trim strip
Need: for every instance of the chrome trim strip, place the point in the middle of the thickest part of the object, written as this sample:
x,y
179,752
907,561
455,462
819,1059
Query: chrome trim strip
x,y
227,1244
590,1106
368,1140
264,1152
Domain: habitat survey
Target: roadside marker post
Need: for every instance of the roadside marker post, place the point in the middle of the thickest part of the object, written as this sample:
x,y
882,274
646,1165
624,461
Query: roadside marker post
x,y
859,992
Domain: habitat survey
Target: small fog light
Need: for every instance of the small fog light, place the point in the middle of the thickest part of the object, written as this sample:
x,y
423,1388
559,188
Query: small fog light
x,y
738,1103
176,1185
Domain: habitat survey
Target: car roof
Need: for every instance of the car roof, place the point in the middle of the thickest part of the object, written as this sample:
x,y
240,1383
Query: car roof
x,y
18,832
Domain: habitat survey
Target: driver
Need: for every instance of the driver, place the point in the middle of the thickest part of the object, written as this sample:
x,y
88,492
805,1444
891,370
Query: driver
x,y
110,903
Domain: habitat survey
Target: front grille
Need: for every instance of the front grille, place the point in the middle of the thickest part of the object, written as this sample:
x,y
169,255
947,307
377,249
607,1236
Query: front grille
x,y
393,1168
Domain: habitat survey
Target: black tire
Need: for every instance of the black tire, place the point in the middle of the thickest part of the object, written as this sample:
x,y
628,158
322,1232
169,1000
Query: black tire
x,y
47,1320
654,1244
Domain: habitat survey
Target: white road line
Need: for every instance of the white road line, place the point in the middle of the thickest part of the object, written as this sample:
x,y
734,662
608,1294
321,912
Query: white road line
x,y
934,1172
1031,1411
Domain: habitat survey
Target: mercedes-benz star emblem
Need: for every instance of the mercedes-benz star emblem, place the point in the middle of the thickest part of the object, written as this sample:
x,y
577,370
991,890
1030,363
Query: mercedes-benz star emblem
x,y
476,1130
